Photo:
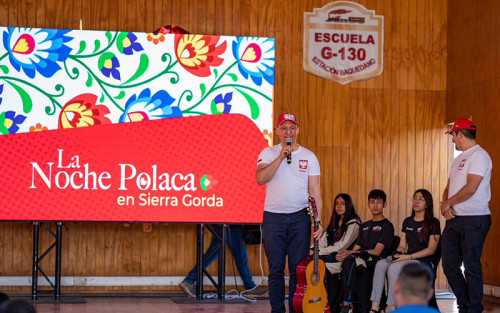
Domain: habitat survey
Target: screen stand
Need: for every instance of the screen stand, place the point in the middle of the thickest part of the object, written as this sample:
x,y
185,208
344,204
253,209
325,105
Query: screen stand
x,y
37,269
219,232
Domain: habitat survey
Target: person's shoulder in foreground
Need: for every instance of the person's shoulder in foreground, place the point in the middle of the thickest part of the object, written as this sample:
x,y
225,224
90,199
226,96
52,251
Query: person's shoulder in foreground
x,y
17,306
415,308
413,289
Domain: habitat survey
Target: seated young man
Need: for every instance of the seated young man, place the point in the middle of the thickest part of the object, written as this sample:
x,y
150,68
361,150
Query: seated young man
x,y
373,243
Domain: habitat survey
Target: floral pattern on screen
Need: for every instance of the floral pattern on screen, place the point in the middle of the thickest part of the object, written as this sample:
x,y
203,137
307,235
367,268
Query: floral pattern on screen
x,y
55,79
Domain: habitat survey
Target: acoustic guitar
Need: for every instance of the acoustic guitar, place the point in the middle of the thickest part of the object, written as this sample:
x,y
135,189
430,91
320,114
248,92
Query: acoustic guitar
x,y
310,294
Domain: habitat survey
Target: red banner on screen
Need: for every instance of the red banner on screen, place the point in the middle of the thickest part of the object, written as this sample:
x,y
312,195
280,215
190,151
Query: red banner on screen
x,y
196,169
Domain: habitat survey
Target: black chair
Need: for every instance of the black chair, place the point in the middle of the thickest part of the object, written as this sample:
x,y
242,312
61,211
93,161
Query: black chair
x,y
435,263
395,243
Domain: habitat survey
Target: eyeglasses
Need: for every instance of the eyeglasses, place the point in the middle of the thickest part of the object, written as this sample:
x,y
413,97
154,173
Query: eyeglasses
x,y
418,199
292,129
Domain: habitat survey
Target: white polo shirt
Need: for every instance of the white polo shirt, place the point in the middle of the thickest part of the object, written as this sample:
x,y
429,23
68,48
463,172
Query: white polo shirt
x,y
476,161
287,191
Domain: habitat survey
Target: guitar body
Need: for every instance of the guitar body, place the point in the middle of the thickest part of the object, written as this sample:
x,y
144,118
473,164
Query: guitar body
x,y
315,297
310,293
300,290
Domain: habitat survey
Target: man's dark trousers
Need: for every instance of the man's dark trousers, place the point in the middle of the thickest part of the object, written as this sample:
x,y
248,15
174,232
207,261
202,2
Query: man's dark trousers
x,y
462,241
284,234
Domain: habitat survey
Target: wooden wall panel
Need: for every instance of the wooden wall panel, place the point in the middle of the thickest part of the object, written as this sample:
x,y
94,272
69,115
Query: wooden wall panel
x,y
473,91
385,132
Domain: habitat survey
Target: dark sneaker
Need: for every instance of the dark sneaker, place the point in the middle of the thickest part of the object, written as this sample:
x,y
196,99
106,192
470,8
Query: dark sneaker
x,y
346,307
188,288
256,292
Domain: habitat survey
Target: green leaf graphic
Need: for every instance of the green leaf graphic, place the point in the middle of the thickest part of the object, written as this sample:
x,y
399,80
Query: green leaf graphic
x,y
143,66
108,35
119,41
216,73
213,108
103,58
233,76
82,47
4,69
27,102
254,107
120,95
203,89
89,81
3,129
97,44
101,99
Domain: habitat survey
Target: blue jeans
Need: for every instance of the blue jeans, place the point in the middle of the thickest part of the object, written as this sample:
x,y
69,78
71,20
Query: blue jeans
x,y
462,241
235,242
285,234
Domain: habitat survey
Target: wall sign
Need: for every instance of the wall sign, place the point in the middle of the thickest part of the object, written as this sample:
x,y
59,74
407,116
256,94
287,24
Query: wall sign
x,y
343,42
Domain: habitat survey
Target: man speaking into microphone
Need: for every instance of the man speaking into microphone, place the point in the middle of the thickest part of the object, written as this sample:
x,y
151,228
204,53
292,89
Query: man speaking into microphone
x,y
286,229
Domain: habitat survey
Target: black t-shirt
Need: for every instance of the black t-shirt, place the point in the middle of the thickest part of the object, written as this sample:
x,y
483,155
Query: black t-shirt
x,y
412,230
373,232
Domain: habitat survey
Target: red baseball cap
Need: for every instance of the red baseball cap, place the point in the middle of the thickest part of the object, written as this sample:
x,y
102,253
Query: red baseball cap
x,y
286,117
462,123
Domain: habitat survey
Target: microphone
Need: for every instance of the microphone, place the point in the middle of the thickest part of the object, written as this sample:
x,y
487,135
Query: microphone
x,y
289,157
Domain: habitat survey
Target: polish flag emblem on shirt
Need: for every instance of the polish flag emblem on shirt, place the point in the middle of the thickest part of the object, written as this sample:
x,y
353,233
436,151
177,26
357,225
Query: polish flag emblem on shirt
x,y
303,164
377,228
419,229
462,164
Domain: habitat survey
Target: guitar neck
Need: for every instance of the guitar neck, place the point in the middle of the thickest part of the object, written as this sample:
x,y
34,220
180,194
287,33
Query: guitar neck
x,y
316,248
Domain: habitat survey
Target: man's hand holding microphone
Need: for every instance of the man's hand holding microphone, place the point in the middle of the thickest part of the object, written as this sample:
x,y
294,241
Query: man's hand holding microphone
x,y
288,150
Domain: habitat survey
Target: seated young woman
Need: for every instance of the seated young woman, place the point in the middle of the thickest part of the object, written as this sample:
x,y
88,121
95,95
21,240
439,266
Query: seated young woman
x,y
340,235
419,239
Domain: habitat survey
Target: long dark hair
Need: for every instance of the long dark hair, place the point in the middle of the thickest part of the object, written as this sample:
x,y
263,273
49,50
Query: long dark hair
x,y
428,225
350,213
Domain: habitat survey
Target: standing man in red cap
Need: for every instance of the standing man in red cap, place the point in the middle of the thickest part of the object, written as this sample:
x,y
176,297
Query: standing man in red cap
x,y
291,173
465,206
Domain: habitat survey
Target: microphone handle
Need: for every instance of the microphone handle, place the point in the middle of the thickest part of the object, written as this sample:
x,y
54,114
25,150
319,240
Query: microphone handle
x,y
289,157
